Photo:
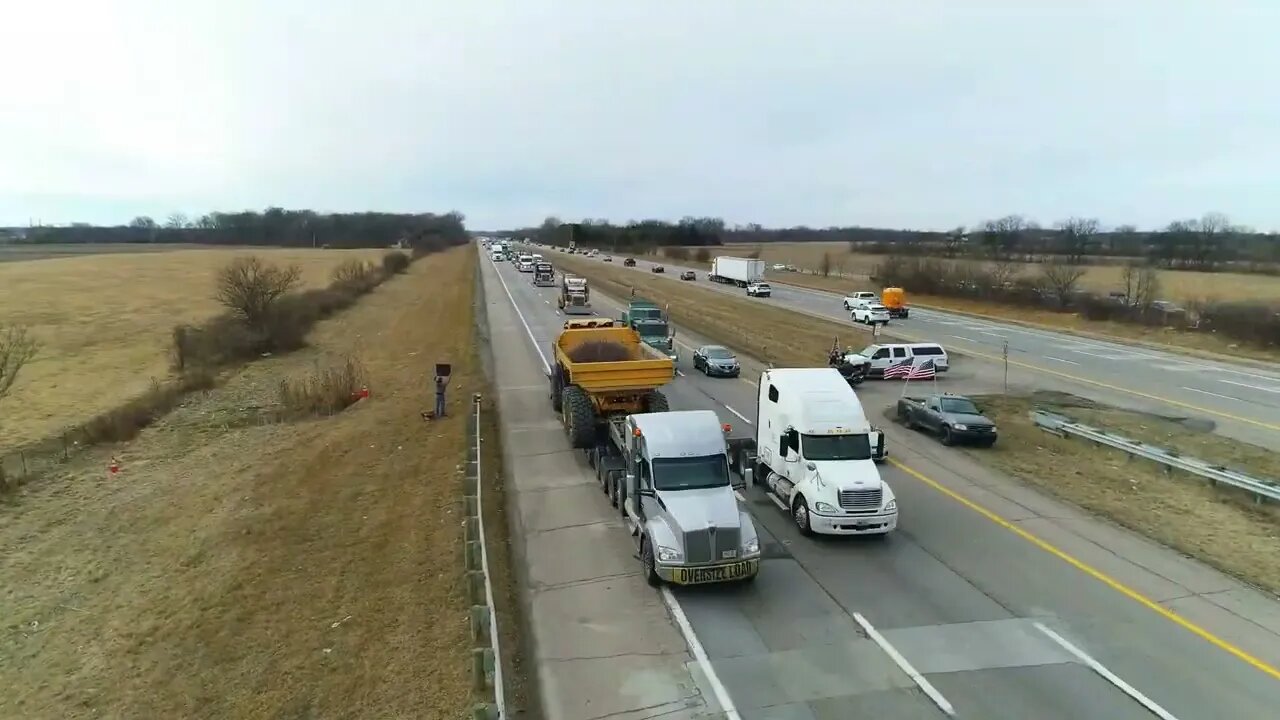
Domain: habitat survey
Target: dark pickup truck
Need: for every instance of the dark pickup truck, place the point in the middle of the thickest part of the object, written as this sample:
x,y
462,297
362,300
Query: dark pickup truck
x,y
954,418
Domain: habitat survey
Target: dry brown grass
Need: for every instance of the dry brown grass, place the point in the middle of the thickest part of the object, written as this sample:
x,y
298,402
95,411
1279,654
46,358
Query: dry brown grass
x,y
1185,514
1192,285
1222,528
104,324
239,567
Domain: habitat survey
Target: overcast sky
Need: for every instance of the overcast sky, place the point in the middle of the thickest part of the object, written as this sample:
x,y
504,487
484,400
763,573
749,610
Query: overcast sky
x,y
927,113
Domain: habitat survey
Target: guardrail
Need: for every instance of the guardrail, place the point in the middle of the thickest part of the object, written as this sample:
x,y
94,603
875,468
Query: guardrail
x,y
486,656
1262,489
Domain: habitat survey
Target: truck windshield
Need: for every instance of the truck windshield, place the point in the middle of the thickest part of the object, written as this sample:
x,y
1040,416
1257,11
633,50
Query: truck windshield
x,y
690,473
835,447
653,329
959,406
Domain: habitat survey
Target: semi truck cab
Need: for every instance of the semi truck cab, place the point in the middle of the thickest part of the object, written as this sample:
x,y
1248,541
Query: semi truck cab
x,y
816,454
679,499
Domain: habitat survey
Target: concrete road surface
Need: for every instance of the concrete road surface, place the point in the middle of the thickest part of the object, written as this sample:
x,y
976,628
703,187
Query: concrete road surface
x,y
1243,400
991,602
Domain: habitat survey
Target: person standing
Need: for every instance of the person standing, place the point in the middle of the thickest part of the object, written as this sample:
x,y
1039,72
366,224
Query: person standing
x,y
442,382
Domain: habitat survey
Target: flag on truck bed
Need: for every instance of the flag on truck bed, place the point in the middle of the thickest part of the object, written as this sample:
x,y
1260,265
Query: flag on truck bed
x,y
924,371
899,369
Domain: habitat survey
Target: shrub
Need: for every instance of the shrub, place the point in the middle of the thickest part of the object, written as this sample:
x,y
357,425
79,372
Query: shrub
x,y
325,391
355,276
703,255
676,253
394,263
125,422
249,288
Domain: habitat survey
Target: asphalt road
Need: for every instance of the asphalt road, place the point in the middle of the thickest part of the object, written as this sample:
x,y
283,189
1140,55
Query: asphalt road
x,y
953,612
1242,400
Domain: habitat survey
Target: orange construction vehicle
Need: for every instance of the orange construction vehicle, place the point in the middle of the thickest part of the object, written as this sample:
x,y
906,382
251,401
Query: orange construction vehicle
x,y
895,301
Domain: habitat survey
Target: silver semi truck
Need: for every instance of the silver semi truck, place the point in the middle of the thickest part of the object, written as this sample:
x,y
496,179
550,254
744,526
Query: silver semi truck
x,y
670,476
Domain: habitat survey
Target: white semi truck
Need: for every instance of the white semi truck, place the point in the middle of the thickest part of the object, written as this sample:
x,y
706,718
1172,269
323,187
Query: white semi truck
x,y
816,454
736,271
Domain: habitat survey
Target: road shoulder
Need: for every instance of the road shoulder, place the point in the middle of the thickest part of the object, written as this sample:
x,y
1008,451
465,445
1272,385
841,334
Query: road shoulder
x,y
604,643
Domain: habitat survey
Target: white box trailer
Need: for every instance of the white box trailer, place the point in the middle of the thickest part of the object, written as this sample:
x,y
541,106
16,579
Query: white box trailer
x,y
736,271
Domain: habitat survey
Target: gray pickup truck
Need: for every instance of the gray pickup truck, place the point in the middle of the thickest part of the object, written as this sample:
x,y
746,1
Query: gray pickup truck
x,y
954,418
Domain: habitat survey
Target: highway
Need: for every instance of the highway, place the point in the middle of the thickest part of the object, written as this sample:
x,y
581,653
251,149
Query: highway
x,y
1242,400
958,613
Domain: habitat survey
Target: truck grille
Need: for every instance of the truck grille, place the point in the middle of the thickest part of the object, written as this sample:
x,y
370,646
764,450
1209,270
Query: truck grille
x,y
861,499
701,546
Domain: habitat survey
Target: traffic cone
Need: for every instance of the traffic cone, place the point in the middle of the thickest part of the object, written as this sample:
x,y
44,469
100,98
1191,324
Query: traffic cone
x,y
114,467
364,392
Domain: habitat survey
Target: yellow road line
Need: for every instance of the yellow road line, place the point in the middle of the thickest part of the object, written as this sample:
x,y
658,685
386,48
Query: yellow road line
x,y
1093,572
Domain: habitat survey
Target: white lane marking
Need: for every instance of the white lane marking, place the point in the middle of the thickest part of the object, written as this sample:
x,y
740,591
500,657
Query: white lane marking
x,y
1251,387
963,338
988,332
1111,677
534,341
906,667
717,688
738,494
1061,360
1206,392
1219,368
680,373
740,415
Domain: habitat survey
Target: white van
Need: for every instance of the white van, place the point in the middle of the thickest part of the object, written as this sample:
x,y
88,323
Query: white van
x,y
816,454
882,355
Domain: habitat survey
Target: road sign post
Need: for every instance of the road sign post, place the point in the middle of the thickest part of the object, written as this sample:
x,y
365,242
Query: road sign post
x,y
1006,367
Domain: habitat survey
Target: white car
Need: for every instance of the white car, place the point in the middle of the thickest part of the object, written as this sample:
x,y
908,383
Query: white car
x,y
870,313
860,297
759,289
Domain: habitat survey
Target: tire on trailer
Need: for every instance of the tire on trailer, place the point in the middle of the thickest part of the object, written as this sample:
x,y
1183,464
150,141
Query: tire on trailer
x,y
579,417
557,388
655,401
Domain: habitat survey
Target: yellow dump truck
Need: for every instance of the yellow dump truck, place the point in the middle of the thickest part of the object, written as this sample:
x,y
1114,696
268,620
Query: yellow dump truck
x,y
604,372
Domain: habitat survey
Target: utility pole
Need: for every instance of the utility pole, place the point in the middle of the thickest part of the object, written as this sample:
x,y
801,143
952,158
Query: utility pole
x,y
1006,367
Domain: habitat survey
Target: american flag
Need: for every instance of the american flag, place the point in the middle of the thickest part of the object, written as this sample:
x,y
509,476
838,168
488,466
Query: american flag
x,y
899,369
924,371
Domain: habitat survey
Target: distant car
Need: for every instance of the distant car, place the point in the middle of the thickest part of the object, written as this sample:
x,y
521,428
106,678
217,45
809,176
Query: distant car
x,y
659,269
759,289
860,297
608,259
716,360
688,275
629,262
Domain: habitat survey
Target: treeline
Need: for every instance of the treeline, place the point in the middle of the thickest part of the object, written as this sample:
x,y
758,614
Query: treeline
x,y
1206,243
272,227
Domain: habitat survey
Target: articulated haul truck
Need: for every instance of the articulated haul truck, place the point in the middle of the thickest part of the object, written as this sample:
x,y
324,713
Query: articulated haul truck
x,y
667,473
736,271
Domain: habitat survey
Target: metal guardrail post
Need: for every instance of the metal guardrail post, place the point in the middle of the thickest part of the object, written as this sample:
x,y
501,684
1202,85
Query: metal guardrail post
x,y
486,655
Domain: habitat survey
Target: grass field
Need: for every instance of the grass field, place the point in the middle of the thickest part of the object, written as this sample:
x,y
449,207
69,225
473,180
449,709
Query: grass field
x,y
104,321
1178,286
249,569
17,252
1184,514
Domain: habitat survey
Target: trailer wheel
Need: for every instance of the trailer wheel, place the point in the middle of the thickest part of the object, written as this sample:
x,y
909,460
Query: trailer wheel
x,y
611,488
655,401
579,417
557,388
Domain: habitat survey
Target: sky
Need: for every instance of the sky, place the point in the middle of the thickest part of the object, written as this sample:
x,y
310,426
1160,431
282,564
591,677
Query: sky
x,y
920,114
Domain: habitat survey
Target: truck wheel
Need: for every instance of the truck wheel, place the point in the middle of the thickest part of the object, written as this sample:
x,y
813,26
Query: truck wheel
x,y
947,438
611,488
800,513
758,477
655,401
579,417
556,389
650,567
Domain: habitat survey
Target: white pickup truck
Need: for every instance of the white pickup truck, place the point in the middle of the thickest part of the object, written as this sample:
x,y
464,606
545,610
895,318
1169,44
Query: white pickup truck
x,y
858,298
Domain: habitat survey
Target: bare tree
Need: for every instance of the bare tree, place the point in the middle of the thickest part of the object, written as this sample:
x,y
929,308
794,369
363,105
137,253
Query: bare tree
x,y
1141,285
249,288
1001,273
824,265
1077,239
954,240
1001,237
1061,278
17,348
177,221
